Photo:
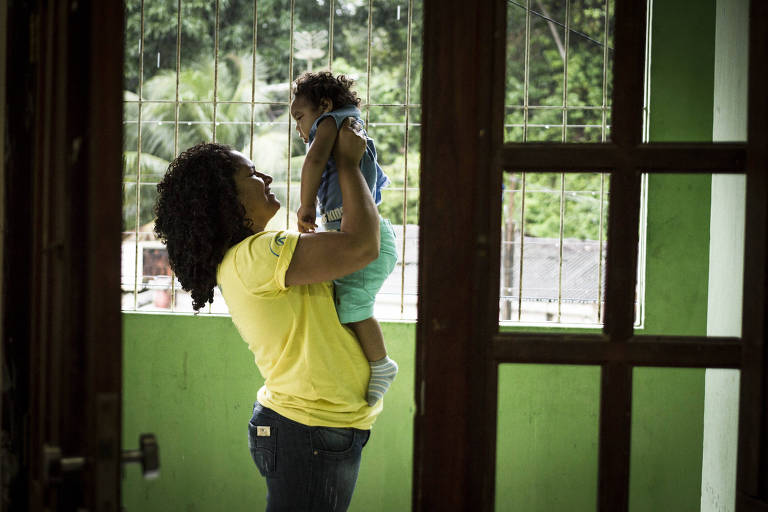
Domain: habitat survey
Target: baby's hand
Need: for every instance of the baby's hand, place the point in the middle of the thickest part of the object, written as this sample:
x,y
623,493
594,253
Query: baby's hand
x,y
306,219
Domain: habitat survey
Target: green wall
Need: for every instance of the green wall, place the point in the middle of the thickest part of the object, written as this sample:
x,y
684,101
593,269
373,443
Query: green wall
x,y
668,404
191,380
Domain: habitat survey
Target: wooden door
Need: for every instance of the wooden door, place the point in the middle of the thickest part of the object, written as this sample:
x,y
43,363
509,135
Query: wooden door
x,y
62,326
459,346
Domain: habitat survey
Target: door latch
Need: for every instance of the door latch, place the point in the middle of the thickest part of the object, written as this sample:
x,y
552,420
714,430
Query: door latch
x,y
54,465
148,455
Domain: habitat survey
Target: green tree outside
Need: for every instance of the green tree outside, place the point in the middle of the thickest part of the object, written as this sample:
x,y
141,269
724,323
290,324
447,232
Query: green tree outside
x,y
267,83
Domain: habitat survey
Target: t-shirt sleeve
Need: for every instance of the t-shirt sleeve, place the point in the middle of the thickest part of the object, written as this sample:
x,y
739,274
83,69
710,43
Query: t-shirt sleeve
x,y
333,116
262,261
341,114
338,115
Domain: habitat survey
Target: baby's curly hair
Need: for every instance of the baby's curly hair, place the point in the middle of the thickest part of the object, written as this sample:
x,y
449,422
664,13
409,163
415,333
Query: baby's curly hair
x,y
315,86
199,216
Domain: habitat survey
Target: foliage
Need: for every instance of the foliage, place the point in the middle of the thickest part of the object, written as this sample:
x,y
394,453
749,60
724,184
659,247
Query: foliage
x,y
160,140
585,44
581,204
267,82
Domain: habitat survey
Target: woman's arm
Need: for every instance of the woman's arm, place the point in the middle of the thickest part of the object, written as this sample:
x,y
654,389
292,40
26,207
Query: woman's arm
x,y
329,255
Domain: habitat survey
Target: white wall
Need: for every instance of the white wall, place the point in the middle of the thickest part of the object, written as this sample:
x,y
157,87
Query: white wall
x,y
721,397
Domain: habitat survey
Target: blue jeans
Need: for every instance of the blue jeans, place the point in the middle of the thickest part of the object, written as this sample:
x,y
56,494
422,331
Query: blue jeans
x,y
307,468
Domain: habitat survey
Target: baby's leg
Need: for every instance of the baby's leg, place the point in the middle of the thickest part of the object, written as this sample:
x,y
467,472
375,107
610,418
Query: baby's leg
x,y
383,369
370,337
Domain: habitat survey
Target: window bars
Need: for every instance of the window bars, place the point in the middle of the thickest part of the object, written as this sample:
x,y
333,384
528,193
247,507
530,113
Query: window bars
x,y
196,99
198,103
553,94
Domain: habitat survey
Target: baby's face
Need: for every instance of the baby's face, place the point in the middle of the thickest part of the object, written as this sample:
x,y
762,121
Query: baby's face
x,y
305,114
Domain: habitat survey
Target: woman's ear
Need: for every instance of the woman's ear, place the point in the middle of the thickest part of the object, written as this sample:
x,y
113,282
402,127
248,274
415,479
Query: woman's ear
x,y
326,105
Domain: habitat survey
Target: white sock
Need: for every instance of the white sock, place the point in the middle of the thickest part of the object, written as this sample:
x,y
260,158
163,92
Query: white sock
x,y
383,372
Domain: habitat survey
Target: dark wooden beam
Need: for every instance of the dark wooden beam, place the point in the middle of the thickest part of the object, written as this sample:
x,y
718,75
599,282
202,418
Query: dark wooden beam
x,y
615,433
102,166
672,351
17,247
458,255
488,261
621,256
752,479
628,74
690,158
750,504
655,157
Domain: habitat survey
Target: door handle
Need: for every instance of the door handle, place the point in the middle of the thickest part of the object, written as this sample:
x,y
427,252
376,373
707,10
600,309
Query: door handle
x,y
148,455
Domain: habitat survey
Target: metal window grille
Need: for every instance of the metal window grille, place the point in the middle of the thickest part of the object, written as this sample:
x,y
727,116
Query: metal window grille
x,y
552,259
184,87
260,110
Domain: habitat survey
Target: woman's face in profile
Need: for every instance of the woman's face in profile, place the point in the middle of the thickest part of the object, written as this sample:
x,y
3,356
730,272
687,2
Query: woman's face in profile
x,y
253,192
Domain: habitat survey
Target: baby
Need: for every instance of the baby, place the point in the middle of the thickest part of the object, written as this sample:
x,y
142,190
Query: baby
x,y
321,104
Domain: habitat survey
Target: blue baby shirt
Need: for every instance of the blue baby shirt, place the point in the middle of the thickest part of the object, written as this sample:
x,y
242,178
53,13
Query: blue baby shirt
x,y
329,192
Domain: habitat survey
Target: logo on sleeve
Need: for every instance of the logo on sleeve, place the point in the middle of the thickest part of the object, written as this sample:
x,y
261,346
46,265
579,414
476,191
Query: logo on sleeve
x,y
278,241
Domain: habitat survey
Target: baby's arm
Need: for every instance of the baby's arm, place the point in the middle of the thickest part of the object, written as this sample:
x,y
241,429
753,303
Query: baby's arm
x,y
312,172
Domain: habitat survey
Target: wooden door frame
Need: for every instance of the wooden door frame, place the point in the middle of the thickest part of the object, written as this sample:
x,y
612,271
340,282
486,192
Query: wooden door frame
x,y
455,427
459,346
62,339
19,114
752,478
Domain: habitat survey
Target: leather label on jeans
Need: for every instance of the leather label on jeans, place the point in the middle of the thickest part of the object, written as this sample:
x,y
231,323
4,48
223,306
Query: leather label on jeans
x,y
262,431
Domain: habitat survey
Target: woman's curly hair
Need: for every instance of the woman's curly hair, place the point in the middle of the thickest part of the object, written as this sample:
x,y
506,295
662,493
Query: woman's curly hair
x,y
199,216
315,86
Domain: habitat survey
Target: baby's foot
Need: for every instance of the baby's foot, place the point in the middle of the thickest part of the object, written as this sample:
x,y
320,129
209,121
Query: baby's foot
x,y
383,372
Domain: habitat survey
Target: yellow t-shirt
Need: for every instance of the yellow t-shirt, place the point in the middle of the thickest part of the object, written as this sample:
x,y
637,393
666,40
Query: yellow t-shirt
x,y
314,369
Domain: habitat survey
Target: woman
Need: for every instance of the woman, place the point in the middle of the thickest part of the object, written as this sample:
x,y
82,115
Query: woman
x,y
311,420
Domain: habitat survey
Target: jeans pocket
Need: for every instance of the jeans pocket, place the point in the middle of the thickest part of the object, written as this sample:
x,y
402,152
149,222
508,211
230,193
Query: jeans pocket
x,y
334,442
262,441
